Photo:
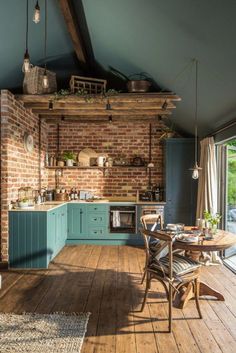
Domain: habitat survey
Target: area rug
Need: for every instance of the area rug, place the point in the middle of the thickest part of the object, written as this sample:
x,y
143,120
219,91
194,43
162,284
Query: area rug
x,y
51,333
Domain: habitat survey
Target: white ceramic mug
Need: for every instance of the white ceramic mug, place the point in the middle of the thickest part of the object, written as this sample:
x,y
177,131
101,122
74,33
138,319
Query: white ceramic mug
x,y
101,160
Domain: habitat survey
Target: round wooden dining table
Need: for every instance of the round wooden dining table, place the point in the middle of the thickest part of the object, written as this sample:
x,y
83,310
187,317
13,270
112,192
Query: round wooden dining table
x,y
220,241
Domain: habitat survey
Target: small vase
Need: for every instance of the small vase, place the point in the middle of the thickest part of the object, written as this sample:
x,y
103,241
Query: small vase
x,y
214,229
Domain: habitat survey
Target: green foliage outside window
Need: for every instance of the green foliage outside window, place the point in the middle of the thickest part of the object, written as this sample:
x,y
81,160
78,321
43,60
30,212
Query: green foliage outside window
x,y
232,174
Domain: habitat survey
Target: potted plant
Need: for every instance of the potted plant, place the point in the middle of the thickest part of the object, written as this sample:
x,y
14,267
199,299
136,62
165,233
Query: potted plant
x,y
69,158
212,220
23,203
136,83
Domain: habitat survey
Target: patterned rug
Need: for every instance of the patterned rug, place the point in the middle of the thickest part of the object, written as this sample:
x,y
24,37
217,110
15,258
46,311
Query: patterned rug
x,y
51,333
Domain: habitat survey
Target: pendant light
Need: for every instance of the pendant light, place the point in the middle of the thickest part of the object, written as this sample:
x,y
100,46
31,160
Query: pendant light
x,y
45,76
196,168
26,67
36,16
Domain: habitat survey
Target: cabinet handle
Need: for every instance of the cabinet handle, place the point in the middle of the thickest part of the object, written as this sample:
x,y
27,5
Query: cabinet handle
x,y
95,219
95,232
95,208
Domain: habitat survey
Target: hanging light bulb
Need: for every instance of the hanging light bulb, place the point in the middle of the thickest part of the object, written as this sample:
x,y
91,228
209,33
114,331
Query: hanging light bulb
x,y
45,80
195,173
45,76
196,168
27,66
36,16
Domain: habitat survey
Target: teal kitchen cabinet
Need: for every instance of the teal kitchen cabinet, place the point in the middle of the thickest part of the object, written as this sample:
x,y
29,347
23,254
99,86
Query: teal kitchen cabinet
x,y
36,237
28,245
97,221
87,221
77,221
57,228
181,189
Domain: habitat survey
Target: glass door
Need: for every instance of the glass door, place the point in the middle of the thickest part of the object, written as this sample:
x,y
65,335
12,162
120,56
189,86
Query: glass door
x,y
230,217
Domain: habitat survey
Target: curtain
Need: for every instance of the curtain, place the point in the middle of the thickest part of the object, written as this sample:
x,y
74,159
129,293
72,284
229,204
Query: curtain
x,y
207,183
207,190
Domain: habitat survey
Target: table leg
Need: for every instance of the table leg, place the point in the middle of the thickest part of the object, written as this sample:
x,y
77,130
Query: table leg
x,y
207,290
186,293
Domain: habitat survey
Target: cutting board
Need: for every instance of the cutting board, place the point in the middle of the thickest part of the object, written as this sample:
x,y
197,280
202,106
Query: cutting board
x,y
85,156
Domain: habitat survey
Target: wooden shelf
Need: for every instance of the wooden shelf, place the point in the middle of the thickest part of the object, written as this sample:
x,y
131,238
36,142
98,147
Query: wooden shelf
x,y
96,167
135,106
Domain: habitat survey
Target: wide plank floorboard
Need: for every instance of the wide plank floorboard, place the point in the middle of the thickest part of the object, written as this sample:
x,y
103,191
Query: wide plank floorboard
x,y
105,281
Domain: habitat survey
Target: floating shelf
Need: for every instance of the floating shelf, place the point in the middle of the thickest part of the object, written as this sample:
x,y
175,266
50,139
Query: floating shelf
x,y
96,167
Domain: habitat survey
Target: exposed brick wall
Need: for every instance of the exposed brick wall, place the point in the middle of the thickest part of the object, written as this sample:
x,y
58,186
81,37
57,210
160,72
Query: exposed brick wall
x,y
18,168
117,139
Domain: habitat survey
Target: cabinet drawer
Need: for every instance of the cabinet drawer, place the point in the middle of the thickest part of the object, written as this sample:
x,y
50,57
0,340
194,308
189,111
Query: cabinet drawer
x,y
97,208
97,231
97,218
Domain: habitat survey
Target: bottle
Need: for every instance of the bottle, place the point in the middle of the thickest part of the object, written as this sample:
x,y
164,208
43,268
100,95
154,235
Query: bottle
x,y
75,194
51,160
72,195
46,159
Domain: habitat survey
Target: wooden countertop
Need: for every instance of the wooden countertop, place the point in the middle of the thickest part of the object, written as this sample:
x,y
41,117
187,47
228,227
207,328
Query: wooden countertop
x,y
50,205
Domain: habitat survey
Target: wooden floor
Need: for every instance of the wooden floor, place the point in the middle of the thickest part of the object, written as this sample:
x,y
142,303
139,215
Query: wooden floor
x,y
106,282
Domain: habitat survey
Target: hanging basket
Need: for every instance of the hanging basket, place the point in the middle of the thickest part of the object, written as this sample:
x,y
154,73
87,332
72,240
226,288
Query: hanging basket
x,y
33,81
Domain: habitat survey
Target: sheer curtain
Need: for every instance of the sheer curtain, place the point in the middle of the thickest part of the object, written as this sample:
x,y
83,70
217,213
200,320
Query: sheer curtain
x,y
207,189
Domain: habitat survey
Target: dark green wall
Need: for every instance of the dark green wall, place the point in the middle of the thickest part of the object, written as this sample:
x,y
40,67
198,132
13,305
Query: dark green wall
x,y
155,36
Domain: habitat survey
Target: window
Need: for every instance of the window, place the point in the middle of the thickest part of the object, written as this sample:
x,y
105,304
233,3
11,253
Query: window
x,y
227,194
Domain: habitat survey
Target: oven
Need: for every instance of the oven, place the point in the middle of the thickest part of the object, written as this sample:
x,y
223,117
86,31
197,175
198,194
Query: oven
x,y
123,219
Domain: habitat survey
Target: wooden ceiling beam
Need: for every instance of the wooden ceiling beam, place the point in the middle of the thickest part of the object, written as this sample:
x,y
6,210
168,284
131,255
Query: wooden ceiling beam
x,y
70,17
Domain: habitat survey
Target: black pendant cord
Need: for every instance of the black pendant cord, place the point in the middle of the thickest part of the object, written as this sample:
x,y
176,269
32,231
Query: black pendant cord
x,y
27,25
196,111
45,36
150,157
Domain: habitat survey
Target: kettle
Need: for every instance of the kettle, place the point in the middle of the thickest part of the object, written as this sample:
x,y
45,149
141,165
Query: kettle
x,y
100,161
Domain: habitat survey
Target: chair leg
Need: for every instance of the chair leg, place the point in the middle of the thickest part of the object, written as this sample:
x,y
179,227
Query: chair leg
x,y
196,294
144,275
170,298
148,280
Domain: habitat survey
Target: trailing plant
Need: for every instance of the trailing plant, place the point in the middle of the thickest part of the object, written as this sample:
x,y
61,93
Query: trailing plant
x,y
89,98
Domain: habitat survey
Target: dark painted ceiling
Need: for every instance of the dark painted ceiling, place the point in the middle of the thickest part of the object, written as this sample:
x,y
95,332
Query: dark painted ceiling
x,y
153,36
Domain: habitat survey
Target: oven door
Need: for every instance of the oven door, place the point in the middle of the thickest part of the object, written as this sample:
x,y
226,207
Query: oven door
x,y
123,219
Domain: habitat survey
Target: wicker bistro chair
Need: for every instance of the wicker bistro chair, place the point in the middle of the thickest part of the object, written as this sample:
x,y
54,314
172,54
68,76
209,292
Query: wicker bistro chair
x,y
172,270
152,222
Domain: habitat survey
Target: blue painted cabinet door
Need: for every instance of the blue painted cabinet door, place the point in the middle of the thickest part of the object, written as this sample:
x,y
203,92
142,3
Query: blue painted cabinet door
x,y
181,189
77,222
51,233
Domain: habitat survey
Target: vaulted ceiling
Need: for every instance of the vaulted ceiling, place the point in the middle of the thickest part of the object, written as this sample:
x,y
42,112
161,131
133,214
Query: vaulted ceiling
x,y
157,37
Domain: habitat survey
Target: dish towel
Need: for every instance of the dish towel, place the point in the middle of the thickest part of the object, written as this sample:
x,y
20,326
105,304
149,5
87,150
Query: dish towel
x,y
116,219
